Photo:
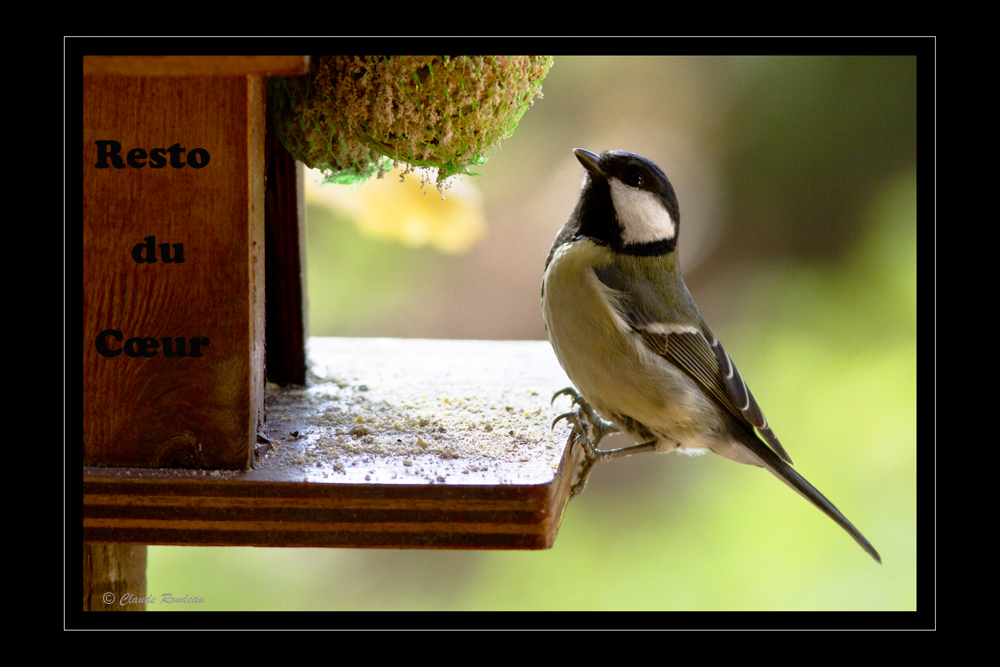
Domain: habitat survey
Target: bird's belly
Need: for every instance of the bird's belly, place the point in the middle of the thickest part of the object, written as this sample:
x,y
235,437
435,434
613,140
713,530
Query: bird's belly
x,y
642,393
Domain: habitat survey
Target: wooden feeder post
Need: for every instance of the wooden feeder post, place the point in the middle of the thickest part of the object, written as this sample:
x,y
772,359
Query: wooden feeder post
x,y
173,345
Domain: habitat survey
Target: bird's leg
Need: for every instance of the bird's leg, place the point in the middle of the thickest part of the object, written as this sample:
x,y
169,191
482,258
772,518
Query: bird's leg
x,y
599,455
581,418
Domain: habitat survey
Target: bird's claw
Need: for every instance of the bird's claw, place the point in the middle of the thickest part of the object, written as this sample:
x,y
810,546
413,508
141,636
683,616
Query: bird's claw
x,y
581,483
570,416
567,391
581,418
585,412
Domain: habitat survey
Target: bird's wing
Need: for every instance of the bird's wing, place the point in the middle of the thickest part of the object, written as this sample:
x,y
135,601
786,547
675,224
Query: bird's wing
x,y
696,352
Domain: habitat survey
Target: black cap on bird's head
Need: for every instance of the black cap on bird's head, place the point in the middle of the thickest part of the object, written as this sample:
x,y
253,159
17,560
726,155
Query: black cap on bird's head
x,y
627,203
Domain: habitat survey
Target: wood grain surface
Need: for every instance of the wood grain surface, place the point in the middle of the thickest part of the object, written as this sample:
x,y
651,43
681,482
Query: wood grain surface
x,y
395,443
186,411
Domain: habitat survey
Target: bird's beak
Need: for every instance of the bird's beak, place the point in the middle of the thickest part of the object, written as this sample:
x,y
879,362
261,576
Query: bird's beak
x,y
590,161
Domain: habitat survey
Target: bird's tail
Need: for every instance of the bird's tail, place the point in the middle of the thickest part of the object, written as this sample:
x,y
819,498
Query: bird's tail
x,y
787,474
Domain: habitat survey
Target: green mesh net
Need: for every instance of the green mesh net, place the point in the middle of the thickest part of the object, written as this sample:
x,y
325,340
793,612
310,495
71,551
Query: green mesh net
x,y
353,116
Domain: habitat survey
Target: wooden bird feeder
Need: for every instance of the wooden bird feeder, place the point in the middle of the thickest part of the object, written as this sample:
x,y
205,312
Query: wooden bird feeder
x,y
200,427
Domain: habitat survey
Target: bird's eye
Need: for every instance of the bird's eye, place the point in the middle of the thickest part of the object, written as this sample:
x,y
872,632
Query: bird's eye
x,y
635,180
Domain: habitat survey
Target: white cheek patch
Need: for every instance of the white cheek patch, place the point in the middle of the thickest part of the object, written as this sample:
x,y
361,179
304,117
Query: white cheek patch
x,y
641,214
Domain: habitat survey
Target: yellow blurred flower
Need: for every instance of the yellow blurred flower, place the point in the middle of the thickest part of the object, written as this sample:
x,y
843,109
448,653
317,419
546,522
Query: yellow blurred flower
x,y
407,211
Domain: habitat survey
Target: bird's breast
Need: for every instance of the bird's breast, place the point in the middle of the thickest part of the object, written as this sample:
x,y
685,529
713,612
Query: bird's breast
x,y
608,363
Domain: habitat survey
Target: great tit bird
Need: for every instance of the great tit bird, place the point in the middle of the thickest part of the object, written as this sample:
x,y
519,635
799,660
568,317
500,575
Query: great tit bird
x,y
631,339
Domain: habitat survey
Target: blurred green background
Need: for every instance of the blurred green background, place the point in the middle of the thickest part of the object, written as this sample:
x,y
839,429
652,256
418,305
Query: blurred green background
x,y
797,184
